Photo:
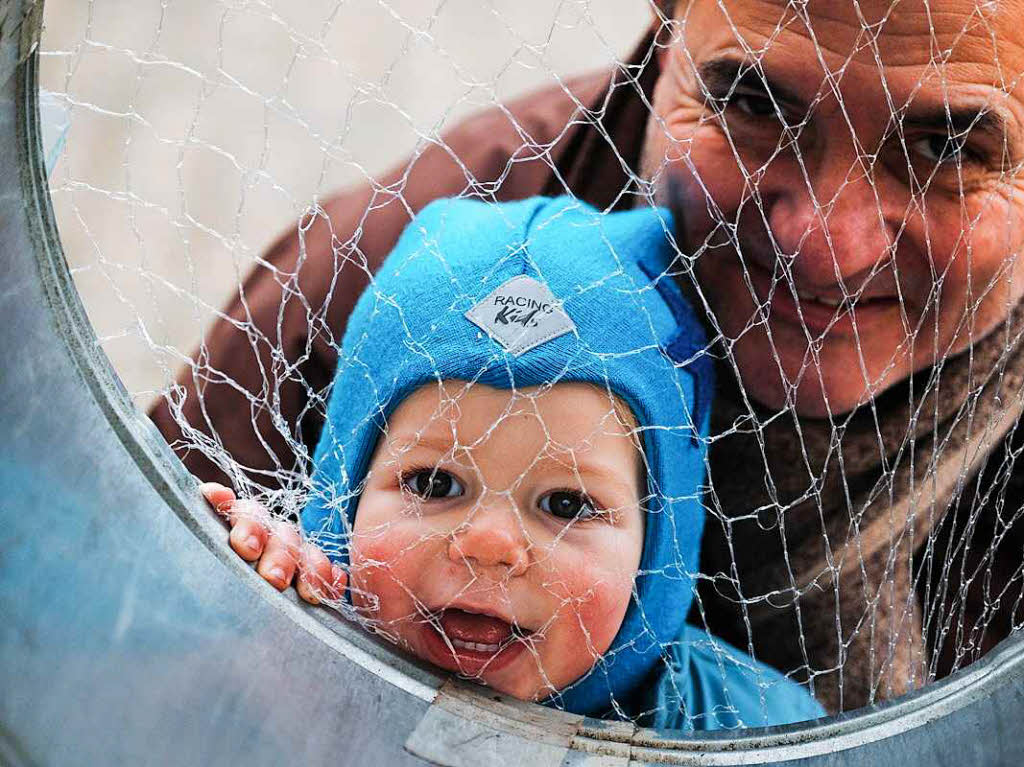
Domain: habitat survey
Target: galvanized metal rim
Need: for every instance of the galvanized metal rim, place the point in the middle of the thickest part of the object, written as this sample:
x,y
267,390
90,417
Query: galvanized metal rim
x,y
20,29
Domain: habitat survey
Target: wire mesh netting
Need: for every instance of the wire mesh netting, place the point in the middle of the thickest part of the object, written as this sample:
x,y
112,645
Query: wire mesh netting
x,y
651,361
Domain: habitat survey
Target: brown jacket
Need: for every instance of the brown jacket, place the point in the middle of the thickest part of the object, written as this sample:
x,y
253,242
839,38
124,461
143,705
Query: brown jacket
x,y
255,379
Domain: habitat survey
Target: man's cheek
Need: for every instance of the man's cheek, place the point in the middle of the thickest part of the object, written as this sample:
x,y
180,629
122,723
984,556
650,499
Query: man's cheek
x,y
709,172
971,245
994,244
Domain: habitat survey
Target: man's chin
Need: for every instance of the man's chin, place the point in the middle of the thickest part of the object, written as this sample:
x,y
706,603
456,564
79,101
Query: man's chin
x,y
809,400
831,385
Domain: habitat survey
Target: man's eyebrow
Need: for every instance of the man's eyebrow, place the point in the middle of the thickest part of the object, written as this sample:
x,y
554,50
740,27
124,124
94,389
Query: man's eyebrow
x,y
958,120
722,74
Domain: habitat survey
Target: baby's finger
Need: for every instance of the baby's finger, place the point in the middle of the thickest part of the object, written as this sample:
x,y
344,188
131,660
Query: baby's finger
x,y
218,496
248,538
247,508
315,576
339,580
280,556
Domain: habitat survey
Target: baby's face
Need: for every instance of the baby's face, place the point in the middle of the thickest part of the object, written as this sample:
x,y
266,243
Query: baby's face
x,y
499,532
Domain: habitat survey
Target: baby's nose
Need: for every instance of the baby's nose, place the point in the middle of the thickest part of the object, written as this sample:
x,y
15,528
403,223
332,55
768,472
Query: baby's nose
x,y
492,535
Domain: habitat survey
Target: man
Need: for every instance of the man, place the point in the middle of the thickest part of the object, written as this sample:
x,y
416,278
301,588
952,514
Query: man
x,y
844,177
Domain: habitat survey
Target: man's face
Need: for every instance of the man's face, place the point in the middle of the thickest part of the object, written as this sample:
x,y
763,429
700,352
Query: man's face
x,y
848,176
499,533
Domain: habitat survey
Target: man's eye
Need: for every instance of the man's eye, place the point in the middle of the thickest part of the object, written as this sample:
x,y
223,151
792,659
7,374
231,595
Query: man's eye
x,y
567,504
754,106
432,483
943,150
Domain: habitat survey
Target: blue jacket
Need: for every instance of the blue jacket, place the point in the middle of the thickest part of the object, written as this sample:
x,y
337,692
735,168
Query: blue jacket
x,y
704,683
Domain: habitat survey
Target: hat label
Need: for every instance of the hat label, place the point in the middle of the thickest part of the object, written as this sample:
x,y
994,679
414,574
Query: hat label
x,y
521,314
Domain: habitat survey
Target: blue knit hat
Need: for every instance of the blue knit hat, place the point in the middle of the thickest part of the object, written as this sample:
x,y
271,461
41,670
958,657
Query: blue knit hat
x,y
520,294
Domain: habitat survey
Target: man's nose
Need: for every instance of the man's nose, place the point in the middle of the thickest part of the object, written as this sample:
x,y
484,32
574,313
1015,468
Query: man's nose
x,y
834,223
492,536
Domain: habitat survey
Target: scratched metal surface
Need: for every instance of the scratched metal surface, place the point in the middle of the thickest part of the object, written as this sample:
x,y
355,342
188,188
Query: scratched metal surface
x,y
130,634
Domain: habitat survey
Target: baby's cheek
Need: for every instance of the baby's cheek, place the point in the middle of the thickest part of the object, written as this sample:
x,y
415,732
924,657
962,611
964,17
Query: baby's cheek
x,y
602,614
592,599
386,565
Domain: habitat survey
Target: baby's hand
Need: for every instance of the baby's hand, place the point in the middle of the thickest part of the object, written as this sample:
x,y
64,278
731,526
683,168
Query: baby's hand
x,y
277,546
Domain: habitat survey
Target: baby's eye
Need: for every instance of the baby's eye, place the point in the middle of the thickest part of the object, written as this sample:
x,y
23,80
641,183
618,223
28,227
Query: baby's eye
x,y
432,483
568,504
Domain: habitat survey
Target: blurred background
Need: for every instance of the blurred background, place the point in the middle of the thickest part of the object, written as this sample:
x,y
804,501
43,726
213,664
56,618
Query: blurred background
x,y
199,130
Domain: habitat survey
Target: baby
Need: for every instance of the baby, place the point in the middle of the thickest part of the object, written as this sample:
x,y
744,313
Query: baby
x,y
509,477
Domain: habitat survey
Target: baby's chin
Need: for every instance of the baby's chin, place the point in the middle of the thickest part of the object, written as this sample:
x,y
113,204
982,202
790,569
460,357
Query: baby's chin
x,y
516,682
522,678
505,667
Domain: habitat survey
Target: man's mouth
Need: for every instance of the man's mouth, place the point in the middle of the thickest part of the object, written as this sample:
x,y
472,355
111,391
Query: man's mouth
x,y
470,642
818,312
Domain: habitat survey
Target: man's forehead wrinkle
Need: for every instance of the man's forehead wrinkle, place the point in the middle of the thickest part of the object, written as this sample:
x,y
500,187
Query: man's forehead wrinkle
x,y
833,26
906,17
837,33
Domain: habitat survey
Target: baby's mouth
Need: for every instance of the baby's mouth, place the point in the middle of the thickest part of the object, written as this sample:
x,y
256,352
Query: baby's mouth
x,y
470,643
474,631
